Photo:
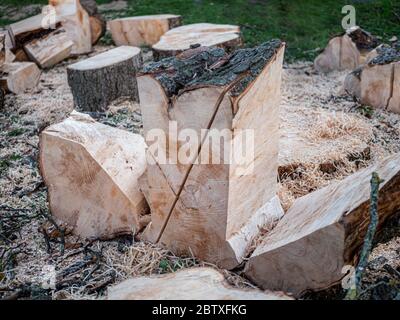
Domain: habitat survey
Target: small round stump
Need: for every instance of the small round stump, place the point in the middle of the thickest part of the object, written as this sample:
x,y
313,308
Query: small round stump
x,y
98,81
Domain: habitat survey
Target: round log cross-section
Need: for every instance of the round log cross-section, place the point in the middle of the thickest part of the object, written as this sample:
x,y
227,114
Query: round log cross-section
x,y
98,81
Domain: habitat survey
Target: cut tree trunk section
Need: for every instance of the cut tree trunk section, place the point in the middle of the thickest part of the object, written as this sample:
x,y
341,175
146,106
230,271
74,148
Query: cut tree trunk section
x,y
91,171
212,209
51,49
99,80
75,20
187,284
17,77
98,24
323,232
377,83
200,34
142,30
346,51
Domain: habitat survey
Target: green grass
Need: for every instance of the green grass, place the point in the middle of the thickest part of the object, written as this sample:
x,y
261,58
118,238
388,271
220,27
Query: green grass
x,y
305,25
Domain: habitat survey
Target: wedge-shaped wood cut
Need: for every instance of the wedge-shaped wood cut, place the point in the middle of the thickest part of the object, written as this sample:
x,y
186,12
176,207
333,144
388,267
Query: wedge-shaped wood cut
x,y
187,284
91,172
346,51
207,204
7,45
205,34
17,77
377,83
323,232
98,24
142,30
99,80
75,20
51,49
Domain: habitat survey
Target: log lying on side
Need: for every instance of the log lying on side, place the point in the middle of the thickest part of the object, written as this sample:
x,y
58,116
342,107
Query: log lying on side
x,y
142,30
377,83
187,284
98,24
50,50
99,80
24,31
346,51
75,20
212,208
323,232
17,77
204,34
91,172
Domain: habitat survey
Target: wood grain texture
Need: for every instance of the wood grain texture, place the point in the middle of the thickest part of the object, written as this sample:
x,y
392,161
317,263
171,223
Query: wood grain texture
x,y
187,284
98,81
92,171
182,38
75,20
323,231
142,30
211,210
17,77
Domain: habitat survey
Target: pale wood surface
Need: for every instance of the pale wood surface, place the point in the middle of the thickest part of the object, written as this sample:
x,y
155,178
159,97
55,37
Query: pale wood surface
x,y
75,20
142,30
323,231
17,77
187,284
91,171
50,50
217,213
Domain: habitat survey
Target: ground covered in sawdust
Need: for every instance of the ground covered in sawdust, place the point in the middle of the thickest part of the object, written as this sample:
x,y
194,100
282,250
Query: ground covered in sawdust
x,y
40,259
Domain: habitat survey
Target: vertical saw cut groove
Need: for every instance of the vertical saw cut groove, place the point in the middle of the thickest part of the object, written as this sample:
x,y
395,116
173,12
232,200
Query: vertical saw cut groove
x,y
391,87
177,196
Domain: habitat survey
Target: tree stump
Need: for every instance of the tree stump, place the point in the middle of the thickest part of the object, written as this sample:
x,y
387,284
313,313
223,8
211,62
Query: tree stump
x,y
50,50
187,284
17,77
75,20
183,38
99,80
212,209
91,172
142,30
346,51
323,232
377,83
97,22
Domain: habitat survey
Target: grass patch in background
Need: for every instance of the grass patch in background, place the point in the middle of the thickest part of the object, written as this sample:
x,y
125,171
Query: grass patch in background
x,y
306,25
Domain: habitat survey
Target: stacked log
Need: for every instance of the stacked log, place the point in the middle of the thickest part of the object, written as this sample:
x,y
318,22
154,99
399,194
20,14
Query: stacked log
x,y
323,232
17,77
212,210
142,30
346,51
97,81
97,22
91,171
377,83
183,38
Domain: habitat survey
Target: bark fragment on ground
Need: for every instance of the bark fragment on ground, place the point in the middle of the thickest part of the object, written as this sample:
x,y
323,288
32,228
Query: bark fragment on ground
x,y
91,171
